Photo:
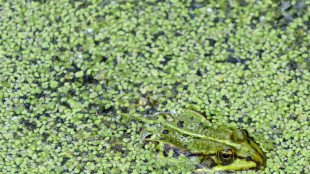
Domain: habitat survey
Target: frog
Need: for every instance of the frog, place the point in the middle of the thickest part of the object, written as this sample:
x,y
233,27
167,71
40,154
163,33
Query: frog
x,y
215,148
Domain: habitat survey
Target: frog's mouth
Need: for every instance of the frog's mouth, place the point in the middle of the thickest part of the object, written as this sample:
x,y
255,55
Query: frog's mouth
x,y
238,164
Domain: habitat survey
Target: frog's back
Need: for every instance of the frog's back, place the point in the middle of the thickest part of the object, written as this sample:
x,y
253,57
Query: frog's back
x,y
190,130
192,121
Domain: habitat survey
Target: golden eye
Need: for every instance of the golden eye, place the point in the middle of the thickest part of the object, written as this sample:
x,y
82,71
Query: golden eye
x,y
225,156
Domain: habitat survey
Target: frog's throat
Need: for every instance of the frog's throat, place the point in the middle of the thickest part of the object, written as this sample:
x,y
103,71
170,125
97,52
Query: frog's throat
x,y
235,145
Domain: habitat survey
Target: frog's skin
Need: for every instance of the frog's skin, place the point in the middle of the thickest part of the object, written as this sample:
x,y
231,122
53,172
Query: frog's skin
x,y
218,149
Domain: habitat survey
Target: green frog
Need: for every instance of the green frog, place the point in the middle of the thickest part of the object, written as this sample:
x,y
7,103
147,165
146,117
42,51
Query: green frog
x,y
216,149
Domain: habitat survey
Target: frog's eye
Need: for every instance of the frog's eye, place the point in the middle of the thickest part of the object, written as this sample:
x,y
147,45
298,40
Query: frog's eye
x,y
238,135
225,156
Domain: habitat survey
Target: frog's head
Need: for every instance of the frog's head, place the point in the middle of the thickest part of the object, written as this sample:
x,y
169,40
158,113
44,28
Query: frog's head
x,y
249,150
238,153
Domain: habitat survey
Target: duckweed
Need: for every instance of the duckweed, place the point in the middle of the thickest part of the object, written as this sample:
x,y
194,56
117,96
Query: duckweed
x,y
76,75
